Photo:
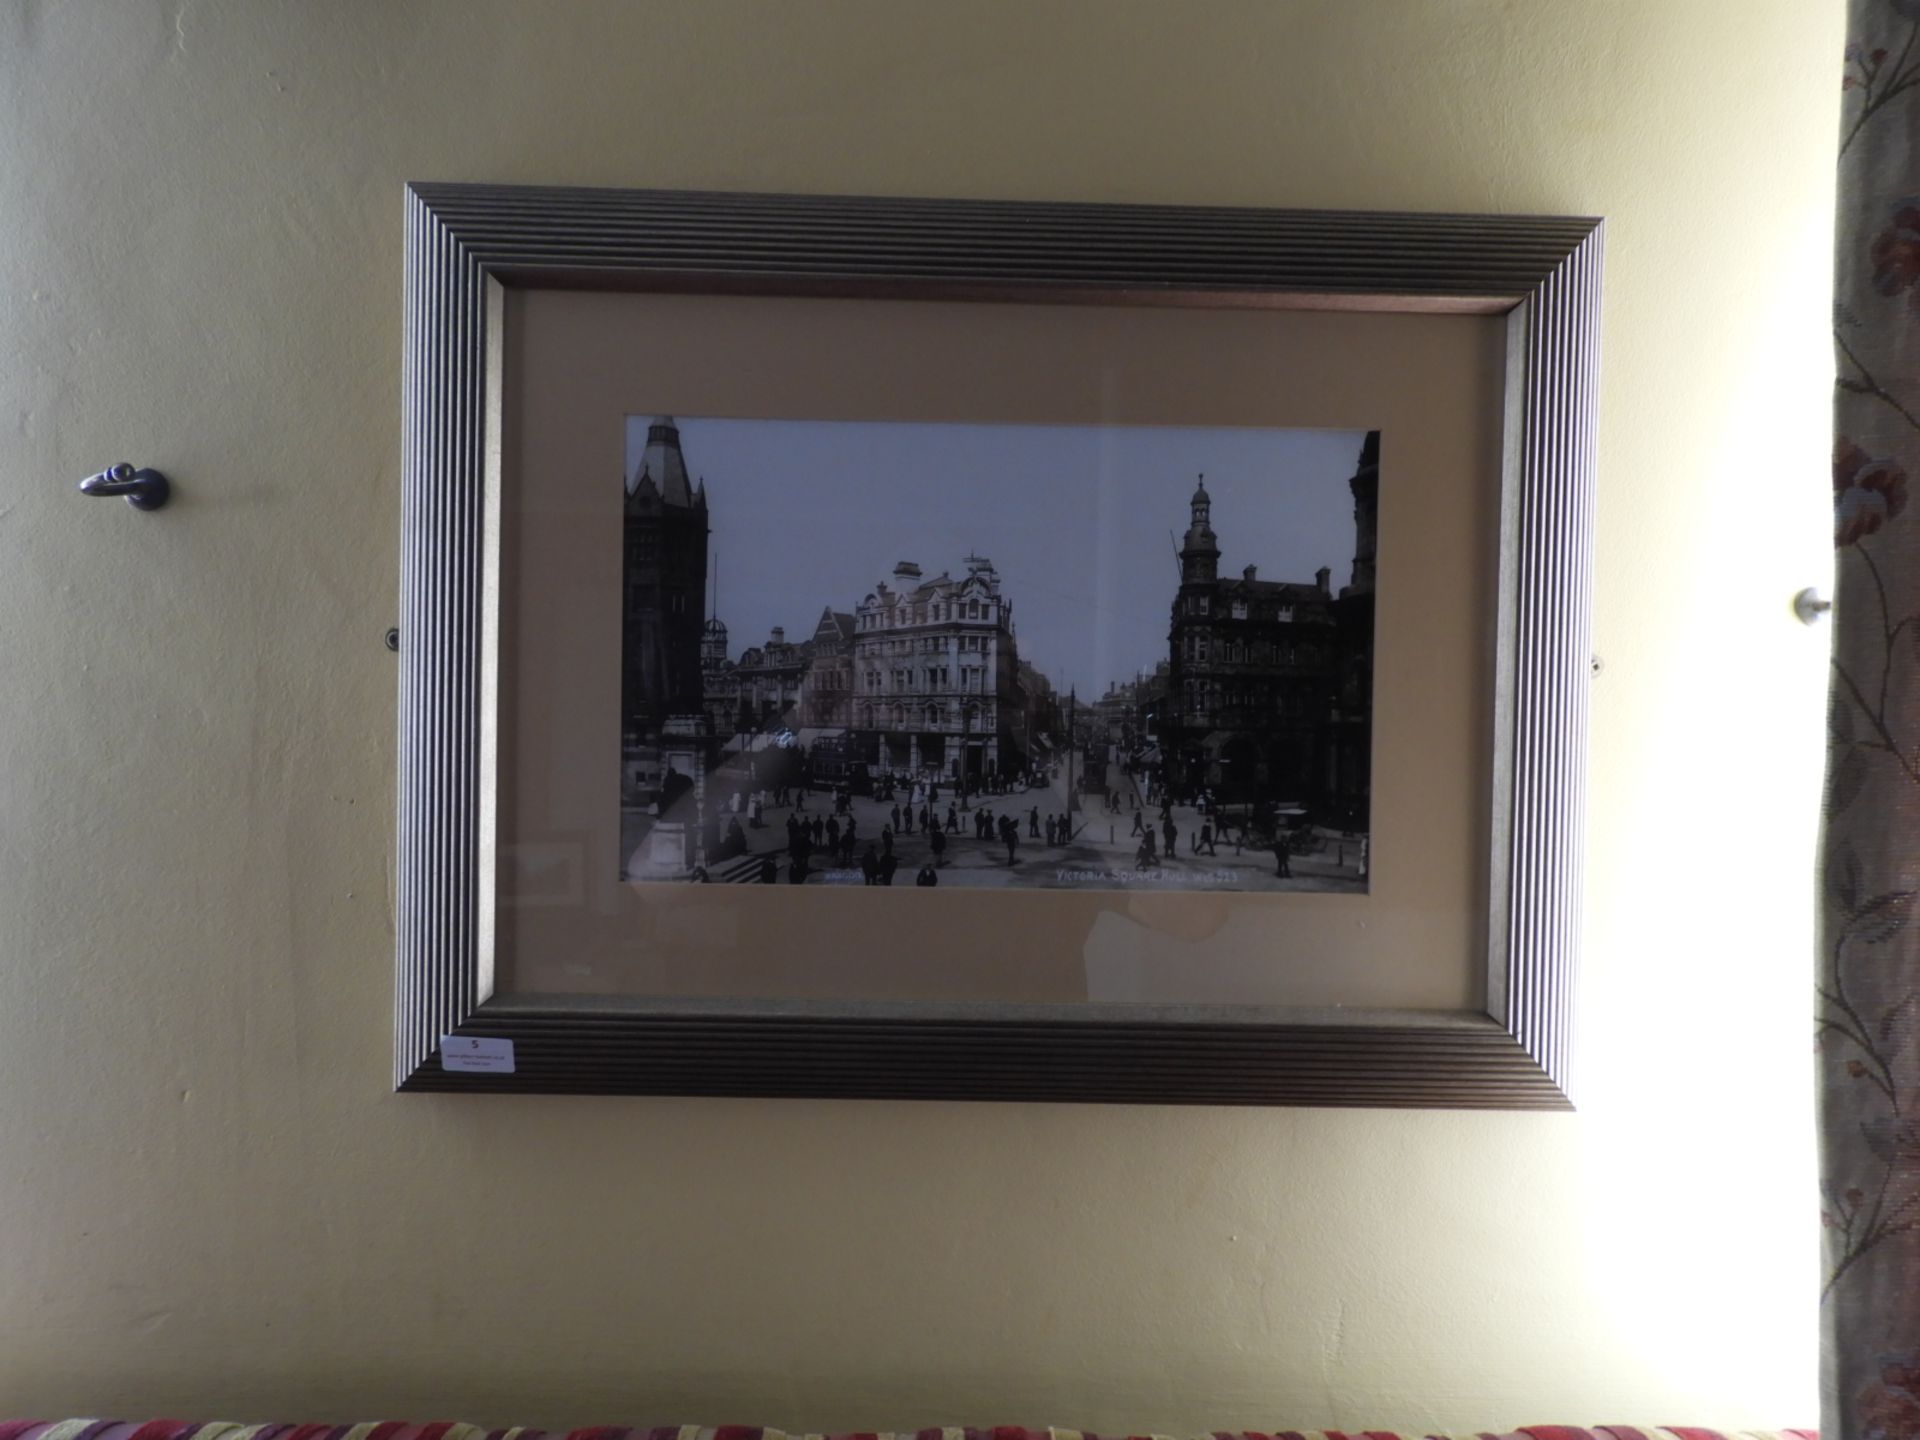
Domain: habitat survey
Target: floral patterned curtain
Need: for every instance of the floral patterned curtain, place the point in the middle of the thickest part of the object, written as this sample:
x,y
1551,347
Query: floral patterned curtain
x,y
1869,949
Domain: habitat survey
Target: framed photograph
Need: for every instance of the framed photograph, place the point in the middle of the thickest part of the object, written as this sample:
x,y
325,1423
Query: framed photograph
x,y
951,649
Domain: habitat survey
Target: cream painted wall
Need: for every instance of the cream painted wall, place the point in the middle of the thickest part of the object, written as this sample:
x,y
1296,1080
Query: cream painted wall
x,y
209,1203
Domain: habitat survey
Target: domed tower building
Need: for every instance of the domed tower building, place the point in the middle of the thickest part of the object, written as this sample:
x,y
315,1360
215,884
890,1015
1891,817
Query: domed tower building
x,y
1250,676
664,641
719,679
1200,554
713,644
1269,682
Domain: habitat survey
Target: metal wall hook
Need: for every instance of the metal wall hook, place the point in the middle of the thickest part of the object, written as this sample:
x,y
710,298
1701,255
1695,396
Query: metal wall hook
x,y
144,489
1810,605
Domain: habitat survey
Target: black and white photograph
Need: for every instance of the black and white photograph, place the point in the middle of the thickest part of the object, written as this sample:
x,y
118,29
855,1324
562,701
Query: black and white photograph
x,y
1044,657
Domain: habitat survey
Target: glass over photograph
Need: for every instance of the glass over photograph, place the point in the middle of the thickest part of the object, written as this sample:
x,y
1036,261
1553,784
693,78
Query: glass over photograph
x,y
1041,657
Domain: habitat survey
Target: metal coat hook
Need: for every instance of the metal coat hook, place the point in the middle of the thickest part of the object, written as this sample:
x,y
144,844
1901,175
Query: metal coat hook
x,y
144,489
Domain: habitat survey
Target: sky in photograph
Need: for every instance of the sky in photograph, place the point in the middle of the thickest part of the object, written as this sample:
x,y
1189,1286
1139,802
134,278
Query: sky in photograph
x,y
1082,522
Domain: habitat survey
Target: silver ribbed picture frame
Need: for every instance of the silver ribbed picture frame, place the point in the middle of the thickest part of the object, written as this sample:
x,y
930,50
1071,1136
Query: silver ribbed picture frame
x,y
1542,274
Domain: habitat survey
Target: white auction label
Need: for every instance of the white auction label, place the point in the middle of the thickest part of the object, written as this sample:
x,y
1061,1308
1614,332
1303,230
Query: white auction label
x,y
476,1054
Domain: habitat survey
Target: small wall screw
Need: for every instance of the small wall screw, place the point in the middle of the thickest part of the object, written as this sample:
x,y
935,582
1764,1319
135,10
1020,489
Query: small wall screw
x,y
1810,605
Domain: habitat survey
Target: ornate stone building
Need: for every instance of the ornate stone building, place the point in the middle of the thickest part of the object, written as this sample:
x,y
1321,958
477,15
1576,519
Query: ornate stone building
x,y
665,581
936,675
760,692
1269,682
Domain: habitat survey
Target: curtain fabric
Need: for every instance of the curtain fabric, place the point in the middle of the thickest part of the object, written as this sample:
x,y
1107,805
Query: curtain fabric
x,y
1868,942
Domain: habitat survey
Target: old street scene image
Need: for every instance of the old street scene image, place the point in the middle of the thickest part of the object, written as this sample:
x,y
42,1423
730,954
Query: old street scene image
x,y
1060,657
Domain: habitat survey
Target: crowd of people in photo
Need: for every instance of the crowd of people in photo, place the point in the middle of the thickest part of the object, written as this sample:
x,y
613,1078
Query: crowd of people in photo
x,y
830,836
914,807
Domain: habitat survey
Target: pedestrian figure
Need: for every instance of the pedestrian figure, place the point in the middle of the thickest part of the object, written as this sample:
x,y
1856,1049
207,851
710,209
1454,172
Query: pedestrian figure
x,y
1033,823
895,812
906,819
939,843
1143,857
870,864
819,829
1283,866
769,871
886,840
927,875
1172,834
889,863
953,819
1011,830
1138,827
1053,829
833,834
1205,840
926,817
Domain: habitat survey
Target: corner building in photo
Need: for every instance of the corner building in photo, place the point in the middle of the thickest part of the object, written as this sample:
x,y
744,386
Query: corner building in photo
x,y
1269,697
937,689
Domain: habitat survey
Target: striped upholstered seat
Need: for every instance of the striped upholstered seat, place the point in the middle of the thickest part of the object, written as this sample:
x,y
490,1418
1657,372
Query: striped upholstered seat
x,y
448,1430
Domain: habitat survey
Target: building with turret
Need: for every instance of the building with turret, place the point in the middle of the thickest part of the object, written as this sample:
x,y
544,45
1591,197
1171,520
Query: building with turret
x,y
1269,682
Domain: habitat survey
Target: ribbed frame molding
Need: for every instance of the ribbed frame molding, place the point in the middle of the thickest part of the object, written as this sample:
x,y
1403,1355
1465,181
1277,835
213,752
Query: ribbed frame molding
x,y
1542,272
